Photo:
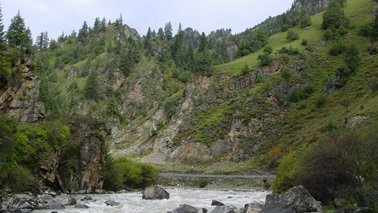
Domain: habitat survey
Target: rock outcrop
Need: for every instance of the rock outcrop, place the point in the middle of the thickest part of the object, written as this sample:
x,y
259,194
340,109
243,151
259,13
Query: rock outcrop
x,y
19,96
295,200
155,193
89,159
311,6
89,177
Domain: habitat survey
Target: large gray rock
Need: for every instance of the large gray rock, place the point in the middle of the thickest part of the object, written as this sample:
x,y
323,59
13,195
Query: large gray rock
x,y
65,200
224,209
112,203
55,205
155,193
20,203
188,209
295,200
252,208
81,206
216,203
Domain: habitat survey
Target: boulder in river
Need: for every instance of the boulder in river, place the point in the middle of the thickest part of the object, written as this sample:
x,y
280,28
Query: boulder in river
x,y
65,199
217,203
81,206
86,198
112,203
252,208
188,209
295,200
224,209
155,193
20,203
55,205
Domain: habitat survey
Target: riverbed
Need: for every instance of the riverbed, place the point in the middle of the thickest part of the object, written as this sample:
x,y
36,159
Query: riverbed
x,y
133,203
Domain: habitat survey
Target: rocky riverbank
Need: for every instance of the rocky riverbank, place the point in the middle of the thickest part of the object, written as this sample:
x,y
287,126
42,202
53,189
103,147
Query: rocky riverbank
x,y
295,200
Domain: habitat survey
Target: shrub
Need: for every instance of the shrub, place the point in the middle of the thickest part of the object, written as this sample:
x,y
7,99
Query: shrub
x,y
292,36
289,51
266,58
335,22
287,173
337,48
245,69
5,68
320,102
305,21
123,173
329,127
340,161
352,58
286,74
301,93
304,42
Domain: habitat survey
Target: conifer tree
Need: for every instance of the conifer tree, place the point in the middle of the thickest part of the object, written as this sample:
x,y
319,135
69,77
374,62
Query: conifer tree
x,y
91,86
97,25
168,31
19,36
148,42
2,32
83,32
203,43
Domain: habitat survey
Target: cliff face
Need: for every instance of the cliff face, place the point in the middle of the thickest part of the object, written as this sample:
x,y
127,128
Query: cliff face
x,y
88,177
78,167
19,97
216,118
311,6
81,165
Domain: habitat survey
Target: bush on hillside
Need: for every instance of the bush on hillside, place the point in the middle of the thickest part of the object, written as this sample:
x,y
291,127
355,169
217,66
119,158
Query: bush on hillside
x,y
344,164
292,36
371,29
335,21
289,51
266,58
287,173
301,93
337,48
123,173
305,21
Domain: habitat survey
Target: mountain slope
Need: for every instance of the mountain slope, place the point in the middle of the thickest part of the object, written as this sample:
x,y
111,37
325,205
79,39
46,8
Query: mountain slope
x,y
233,116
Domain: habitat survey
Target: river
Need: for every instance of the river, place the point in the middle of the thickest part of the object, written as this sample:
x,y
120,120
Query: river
x,y
133,202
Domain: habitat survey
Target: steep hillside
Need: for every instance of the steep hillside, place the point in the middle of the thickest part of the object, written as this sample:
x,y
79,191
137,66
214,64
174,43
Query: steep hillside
x,y
259,113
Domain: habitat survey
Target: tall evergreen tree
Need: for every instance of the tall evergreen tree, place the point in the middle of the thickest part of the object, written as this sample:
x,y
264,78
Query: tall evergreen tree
x,y
168,31
97,25
19,36
2,32
42,41
46,40
39,41
161,34
148,42
203,43
177,48
83,32
103,24
91,86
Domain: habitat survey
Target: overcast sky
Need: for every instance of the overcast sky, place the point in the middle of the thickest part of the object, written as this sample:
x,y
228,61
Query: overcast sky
x,y
57,16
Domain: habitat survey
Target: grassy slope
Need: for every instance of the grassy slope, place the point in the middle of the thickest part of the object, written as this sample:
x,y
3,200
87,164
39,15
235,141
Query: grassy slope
x,y
304,122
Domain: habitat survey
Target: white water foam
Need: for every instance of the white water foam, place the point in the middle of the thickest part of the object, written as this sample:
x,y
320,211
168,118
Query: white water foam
x,y
133,202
